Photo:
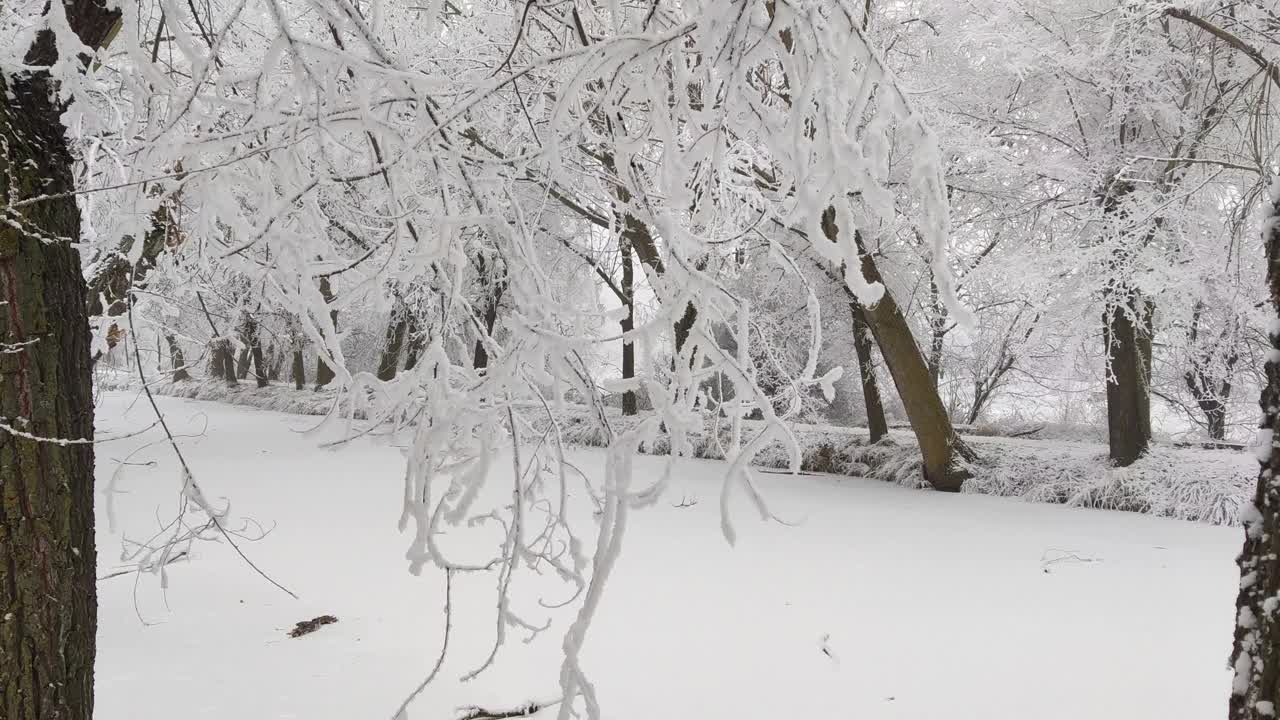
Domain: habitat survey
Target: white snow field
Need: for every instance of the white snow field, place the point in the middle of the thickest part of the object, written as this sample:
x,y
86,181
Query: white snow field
x,y
880,602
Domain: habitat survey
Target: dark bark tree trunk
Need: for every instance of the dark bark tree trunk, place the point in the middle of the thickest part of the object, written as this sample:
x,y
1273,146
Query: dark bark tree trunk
x,y
216,368
876,423
224,361
1127,338
1256,651
490,319
324,373
299,370
494,287
389,363
1211,401
940,447
937,331
275,362
177,360
1209,383
629,404
251,352
114,277
48,595
684,326
260,371
242,363
637,236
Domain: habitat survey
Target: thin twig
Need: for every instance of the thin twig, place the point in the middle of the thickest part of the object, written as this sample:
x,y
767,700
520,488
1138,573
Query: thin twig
x,y
188,476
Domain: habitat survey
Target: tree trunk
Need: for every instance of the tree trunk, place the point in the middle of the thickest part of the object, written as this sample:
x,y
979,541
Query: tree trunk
x,y
1255,692
114,277
299,370
224,362
324,373
48,592
684,326
415,341
940,447
242,363
490,320
215,359
275,362
260,371
876,423
176,360
1216,418
1212,402
390,361
629,404
937,331
494,288
252,351
1210,385
1128,350
637,236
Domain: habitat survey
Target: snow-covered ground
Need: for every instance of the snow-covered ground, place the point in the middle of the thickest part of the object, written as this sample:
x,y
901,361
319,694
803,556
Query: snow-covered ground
x,y
880,602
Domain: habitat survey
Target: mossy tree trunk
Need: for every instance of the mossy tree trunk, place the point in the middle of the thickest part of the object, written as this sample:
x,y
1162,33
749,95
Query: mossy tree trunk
x,y
48,596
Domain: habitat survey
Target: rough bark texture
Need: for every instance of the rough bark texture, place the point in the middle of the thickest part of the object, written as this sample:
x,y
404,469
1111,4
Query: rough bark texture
x,y
48,597
876,423
940,448
324,373
1256,652
1127,339
1126,336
